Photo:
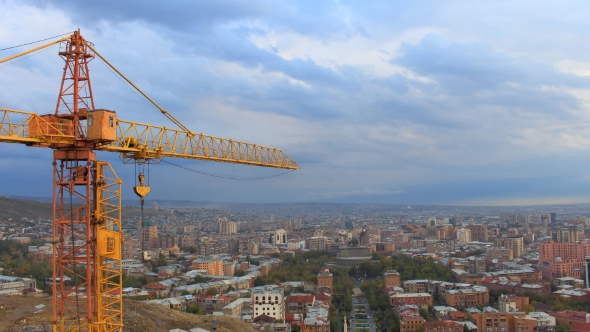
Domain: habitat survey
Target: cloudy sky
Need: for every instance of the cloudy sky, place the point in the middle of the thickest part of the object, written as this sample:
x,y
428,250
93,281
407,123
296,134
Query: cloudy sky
x,y
445,102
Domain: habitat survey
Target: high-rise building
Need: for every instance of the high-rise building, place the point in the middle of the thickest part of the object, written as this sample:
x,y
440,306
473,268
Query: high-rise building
x,y
166,241
516,243
148,236
128,246
478,232
227,227
464,235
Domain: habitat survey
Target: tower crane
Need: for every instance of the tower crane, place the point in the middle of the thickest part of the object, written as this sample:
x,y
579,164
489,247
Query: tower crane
x,y
87,236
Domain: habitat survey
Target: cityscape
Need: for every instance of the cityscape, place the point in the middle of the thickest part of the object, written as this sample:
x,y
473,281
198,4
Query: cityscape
x,y
518,268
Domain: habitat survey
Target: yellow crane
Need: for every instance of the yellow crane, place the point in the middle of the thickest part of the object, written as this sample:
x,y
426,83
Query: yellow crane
x,y
87,237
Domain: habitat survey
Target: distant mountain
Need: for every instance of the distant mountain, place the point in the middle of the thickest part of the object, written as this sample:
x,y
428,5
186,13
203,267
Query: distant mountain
x,y
41,207
12,208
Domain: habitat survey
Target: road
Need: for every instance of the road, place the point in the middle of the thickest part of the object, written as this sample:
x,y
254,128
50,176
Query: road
x,y
360,306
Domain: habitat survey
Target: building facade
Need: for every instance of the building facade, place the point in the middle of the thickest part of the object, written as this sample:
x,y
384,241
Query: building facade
x,y
214,267
268,301
325,279
475,296
562,259
392,278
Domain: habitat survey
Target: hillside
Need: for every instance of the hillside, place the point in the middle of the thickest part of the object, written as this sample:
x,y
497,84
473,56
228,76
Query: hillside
x,y
16,314
19,208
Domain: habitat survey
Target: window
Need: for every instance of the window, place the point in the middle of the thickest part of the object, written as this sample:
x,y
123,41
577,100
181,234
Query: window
x,y
90,120
111,121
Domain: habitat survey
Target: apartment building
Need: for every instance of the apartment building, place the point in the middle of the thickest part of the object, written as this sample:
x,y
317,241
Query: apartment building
x,y
474,296
268,301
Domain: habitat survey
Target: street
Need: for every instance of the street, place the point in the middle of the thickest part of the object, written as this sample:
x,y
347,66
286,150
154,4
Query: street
x,y
361,317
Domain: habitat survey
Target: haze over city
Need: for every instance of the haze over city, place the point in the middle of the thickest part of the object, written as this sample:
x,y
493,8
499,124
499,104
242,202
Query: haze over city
x,y
416,102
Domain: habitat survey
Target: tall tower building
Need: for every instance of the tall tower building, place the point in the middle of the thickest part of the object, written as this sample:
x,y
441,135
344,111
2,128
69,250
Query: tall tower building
x,y
128,246
464,235
325,279
227,227
514,243
479,232
166,241
149,236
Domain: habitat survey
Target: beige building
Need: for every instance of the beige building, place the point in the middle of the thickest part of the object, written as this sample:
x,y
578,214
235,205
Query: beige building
x,y
148,236
278,237
229,268
227,227
464,235
268,301
214,267
392,278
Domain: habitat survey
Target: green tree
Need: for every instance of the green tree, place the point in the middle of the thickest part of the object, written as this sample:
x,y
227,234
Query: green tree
x,y
239,273
212,291
200,279
131,281
194,308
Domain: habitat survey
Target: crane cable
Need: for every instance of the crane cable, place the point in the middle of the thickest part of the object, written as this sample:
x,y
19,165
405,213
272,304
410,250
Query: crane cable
x,y
38,41
227,176
26,57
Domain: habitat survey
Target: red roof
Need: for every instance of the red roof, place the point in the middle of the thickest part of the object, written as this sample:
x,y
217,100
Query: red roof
x,y
300,299
155,285
445,323
576,315
457,315
577,326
